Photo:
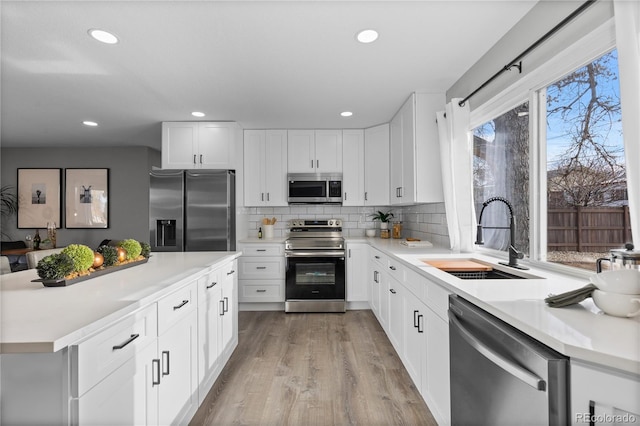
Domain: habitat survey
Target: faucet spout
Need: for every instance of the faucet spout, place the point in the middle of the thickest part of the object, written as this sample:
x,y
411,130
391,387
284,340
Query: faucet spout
x,y
514,254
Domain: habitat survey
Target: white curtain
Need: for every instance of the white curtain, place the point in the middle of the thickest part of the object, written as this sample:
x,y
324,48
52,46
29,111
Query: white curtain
x,y
627,19
456,154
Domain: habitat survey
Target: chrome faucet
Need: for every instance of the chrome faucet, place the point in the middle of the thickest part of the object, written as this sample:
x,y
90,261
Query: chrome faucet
x,y
514,254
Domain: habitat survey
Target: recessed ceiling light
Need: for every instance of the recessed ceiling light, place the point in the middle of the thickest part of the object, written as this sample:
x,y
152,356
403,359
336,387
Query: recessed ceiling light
x,y
346,114
197,114
90,123
103,36
367,36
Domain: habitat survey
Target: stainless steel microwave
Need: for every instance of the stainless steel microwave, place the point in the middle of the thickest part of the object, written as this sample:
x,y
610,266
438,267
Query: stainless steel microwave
x,y
306,188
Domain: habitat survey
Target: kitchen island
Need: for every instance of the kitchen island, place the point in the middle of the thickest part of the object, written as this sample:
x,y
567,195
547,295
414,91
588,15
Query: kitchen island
x,y
140,345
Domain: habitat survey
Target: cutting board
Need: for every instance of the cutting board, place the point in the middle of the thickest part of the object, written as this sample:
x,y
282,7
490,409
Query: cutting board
x,y
458,265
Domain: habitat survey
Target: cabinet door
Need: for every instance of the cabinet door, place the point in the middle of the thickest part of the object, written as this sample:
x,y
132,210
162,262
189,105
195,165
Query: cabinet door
x,y
178,389
357,284
179,145
328,151
396,316
216,148
301,151
254,167
395,158
408,188
209,295
228,309
436,375
414,350
275,161
127,396
353,175
383,318
376,166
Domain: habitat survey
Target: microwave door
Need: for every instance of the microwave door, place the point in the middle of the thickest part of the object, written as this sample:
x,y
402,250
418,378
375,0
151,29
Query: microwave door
x,y
307,191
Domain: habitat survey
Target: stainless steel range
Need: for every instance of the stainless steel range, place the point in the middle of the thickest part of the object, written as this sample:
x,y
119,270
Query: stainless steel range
x,y
315,266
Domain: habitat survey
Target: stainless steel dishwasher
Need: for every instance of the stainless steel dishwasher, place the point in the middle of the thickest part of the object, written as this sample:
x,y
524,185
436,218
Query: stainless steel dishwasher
x,y
501,376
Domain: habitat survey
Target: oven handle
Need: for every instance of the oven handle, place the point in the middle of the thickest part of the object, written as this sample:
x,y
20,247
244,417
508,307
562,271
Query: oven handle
x,y
515,370
315,254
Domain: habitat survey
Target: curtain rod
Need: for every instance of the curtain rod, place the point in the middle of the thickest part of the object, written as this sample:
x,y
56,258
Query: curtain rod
x,y
517,62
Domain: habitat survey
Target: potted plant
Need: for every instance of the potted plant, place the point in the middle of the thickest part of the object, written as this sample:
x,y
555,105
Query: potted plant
x,y
384,218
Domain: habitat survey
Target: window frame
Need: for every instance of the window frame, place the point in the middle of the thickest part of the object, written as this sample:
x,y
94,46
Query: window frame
x,y
531,87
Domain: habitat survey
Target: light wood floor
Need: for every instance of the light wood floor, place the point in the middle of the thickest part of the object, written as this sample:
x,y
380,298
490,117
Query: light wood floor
x,y
313,369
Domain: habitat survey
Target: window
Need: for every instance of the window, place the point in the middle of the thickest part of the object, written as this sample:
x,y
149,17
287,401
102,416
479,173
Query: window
x,y
584,212
587,204
501,169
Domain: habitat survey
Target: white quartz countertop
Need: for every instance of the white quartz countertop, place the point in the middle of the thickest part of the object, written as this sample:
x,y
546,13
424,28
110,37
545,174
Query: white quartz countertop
x,y
579,331
34,318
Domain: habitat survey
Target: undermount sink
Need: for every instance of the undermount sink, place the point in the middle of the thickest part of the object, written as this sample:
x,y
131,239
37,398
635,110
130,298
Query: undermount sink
x,y
474,269
493,274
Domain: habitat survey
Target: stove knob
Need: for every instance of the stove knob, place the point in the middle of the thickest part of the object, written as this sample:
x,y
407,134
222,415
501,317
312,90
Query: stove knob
x,y
331,223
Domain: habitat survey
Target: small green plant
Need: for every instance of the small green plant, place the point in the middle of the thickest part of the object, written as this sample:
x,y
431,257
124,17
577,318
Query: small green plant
x,y
81,255
146,250
55,266
382,217
110,255
132,247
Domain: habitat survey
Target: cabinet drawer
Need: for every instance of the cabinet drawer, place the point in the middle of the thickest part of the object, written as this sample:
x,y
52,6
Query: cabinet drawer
x,y
437,298
396,270
103,353
377,258
177,305
262,291
416,283
261,268
207,283
262,249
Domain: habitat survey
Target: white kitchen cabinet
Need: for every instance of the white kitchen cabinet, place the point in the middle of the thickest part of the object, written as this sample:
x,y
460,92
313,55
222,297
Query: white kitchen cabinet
x,y
353,154
414,167
265,168
261,272
602,395
395,328
314,151
357,272
415,342
228,332
177,356
209,346
376,166
199,145
436,374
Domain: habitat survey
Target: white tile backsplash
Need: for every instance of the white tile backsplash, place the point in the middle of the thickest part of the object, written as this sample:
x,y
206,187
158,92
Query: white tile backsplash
x,y
424,221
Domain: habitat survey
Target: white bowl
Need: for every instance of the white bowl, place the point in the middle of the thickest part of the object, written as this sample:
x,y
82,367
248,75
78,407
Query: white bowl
x,y
623,281
618,305
370,232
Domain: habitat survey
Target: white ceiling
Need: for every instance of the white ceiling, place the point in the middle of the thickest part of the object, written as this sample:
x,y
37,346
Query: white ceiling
x,y
264,64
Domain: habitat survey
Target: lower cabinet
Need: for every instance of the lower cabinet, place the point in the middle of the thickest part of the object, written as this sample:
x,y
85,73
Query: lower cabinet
x,y
603,396
261,272
412,311
357,267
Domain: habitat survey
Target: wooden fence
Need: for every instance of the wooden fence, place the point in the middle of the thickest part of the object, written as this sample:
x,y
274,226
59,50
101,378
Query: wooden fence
x,y
587,229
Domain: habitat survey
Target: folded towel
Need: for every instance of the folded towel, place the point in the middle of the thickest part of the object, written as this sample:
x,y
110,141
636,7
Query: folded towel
x,y
570,297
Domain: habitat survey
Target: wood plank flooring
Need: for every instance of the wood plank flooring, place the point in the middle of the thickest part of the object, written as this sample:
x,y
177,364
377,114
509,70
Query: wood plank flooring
x,y
313,370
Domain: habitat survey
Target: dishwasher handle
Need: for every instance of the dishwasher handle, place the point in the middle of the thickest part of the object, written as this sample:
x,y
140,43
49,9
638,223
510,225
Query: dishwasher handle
x,y
515,370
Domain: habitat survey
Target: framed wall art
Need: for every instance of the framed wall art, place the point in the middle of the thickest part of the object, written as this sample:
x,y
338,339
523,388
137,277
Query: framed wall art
x,y
86,198
38,197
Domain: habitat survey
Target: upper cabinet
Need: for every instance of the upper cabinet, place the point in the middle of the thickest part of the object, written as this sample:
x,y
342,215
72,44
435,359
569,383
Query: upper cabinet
x,y
265,167
315,151
365,181
199,145
415,174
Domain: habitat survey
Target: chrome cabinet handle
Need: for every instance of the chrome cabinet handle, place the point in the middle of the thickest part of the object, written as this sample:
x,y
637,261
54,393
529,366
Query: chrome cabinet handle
x,y
184,302
231,272
420,321
349,253
155,372
377,257
226,304
317,164
129,340
194,159
365,195
392,291
261,250
376,277
393,268
211,285
165,355
221,307
312,164
416,323
262,196
268,197
200,158
345,196
513,369
261,290
261,267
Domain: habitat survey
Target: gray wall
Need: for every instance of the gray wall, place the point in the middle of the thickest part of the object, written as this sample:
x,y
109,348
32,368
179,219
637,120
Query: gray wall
x,y
542,18
128,188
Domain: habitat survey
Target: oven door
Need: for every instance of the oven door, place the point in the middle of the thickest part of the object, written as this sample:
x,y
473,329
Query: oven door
x,y
315,275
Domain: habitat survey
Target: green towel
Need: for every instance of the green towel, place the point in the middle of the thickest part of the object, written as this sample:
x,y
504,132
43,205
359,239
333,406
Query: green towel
x,y
570,297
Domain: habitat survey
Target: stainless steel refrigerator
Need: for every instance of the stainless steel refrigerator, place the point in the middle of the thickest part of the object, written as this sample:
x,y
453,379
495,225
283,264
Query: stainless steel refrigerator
x,y
192,210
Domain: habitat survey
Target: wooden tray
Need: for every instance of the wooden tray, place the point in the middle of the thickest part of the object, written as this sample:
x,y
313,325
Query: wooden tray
x,y
97,273
458,265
